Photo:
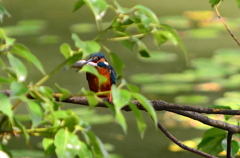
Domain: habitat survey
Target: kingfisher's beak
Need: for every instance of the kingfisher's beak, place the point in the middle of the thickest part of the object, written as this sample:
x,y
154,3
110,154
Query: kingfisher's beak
x,y
89,60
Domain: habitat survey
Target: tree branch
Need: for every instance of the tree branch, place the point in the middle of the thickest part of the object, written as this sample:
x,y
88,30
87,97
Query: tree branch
x,y
229,145
159,105
181,145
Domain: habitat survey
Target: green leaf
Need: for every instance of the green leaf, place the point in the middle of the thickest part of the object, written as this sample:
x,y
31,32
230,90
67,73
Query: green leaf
x,y
26,54
48,145
93,70
18,88
144,52
5,153
2,34
121,120
23,129
5,80
98,8
97,146
238,3
133,88
84,151
3,11
211,141
88,47
117,63
214,2
148,12
71,121
234,144
146,104
66,144
64,92
73,59
159,37
78,5
121,97
5,106
66,50
35,113
91,97
177,37
120,9
140,123
18,66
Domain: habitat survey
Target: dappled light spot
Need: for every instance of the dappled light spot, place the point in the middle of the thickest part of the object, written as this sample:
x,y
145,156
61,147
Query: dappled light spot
x,y
211,86
167,88
48,39
159,57
191,99
25,27
83,28
203,33
176,148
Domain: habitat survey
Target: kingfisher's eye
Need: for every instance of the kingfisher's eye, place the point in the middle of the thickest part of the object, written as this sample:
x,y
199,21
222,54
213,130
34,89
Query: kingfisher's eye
x,y
96,58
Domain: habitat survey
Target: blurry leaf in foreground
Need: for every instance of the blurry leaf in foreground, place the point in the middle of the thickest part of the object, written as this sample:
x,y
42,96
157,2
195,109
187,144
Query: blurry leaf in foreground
x,y
238,3
48,145
98,8
214,2
88,47
3,12
5,106
78,5
117,63
67,144
4,153
23,51
19,67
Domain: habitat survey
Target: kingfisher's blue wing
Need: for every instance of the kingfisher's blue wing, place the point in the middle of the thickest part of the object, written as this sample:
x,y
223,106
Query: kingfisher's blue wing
x,y
113,74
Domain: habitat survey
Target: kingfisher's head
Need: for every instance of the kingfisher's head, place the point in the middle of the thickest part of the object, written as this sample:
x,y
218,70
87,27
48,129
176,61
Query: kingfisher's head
x,y
96,57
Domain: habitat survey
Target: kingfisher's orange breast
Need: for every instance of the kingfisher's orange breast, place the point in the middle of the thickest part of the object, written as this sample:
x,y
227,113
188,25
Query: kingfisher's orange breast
x,y
94,83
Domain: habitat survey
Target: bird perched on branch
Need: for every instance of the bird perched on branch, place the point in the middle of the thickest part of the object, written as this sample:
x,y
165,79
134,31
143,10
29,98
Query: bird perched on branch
x,y
104,68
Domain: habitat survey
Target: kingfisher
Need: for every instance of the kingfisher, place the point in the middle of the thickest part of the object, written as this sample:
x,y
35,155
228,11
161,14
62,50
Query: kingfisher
x,y
104,68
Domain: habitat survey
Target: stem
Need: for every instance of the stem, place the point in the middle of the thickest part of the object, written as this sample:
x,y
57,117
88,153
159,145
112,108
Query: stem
x,y
181,145
126,37
46,77
229,145
228,29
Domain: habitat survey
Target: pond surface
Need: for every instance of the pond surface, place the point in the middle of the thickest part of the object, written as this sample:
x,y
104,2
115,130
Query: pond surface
x,y
53,24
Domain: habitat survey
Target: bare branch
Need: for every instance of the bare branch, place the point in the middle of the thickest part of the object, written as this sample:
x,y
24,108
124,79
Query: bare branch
x,y
224,23
208,121
229,145
181,145
158,105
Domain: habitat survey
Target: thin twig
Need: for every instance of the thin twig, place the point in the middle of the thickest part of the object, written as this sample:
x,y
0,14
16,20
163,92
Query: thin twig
x,y
181,145
224,23
229,145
